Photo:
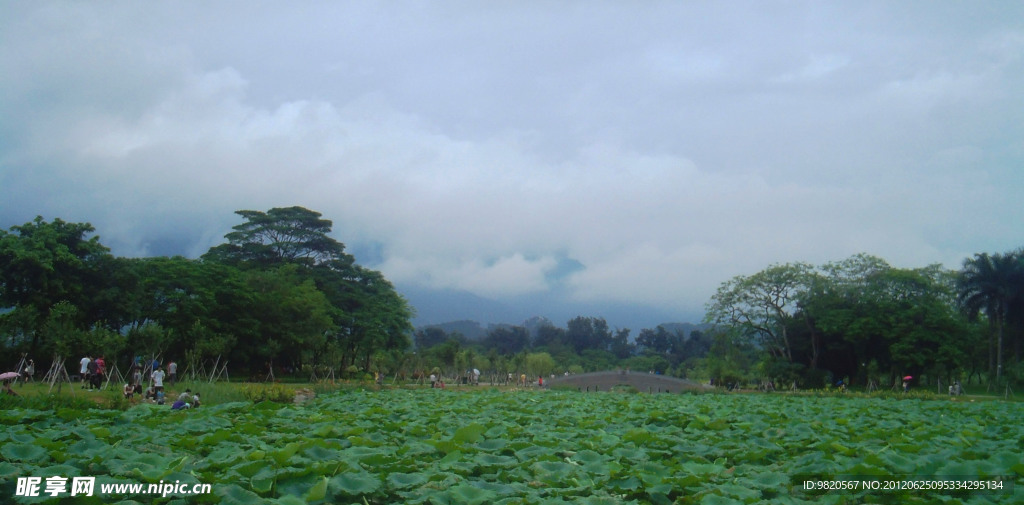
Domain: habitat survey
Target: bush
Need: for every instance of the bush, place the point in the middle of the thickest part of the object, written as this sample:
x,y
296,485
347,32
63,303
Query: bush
x,y
257,393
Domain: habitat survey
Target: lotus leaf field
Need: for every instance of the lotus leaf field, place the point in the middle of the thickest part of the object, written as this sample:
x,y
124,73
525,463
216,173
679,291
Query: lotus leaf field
x,y
497,447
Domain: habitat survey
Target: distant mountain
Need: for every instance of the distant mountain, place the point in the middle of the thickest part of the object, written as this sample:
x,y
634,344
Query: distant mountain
x,y
474,330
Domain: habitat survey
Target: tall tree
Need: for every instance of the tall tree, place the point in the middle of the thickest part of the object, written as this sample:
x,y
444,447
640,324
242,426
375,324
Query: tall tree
x,y
429,337
368,314
588,333
620,345
281,235
656,340
992,284
507,340
548,335
762,305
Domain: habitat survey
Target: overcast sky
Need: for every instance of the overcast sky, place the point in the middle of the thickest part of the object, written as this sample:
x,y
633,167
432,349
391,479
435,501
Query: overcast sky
x,y
498,160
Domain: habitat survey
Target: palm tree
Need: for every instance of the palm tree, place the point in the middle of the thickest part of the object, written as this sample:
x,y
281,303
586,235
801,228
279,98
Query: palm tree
x,y
993,285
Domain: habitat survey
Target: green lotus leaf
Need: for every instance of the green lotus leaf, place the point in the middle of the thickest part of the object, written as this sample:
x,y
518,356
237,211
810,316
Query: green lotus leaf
x,y
294,482
406,480
233,494
469,494
469,434
263,480
714,499
9,471
535,452
318,492
633,454
355,483
629,483
248,469
553,472
282,455
491,445
289,500
491,460
24,452
25,438
588,456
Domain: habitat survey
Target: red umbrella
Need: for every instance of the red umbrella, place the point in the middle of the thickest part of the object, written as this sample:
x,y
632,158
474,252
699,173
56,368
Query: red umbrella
x,y
8,375
907,378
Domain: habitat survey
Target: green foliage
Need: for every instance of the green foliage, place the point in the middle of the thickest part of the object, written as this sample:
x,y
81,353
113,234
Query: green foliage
x,y
257,393
44,265
816,324
540,363
994,285
281,290
432,446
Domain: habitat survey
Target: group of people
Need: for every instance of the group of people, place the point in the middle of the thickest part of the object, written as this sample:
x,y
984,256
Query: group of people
x,y
93,371
155,392
955,389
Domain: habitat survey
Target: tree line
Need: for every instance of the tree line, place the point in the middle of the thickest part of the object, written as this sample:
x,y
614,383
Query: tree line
x,y
278,292
862,320
585,344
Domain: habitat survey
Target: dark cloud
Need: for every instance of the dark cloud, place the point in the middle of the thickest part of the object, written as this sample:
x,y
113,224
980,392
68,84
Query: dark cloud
x,y
625,158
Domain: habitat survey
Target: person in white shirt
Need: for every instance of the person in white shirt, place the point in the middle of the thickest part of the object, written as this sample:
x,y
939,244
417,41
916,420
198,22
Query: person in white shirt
x,y
84,372
158,379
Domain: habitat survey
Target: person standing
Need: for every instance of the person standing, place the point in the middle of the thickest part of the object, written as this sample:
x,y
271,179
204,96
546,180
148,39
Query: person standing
x,y
84,371
158,380
29,372
172,372
94,375
101,372
137,379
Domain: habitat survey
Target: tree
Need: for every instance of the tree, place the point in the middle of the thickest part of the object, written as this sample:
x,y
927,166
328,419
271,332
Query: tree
x,y
656,341
728,359
429,337
588,333
507,340
835,319
376,317
292,316
620,345
761,306
993,284
696,346
539,363
182,295
281,235
43,264
368,314
548,335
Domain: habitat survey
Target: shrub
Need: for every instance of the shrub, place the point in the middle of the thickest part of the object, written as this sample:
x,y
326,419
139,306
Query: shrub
x,y
274,393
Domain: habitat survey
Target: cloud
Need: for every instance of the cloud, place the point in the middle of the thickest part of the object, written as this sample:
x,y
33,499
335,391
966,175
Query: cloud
x,y
658,151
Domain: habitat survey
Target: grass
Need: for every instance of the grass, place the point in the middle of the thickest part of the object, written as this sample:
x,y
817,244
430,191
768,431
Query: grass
x,y
38,395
